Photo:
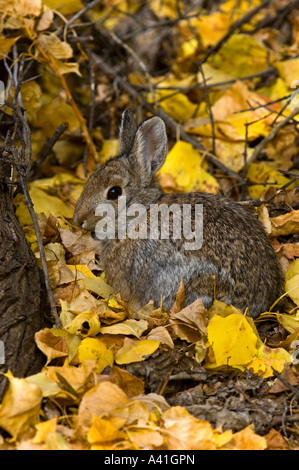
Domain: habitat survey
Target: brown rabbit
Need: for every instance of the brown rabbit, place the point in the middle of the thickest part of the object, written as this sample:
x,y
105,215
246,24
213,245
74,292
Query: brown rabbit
x,y
233,261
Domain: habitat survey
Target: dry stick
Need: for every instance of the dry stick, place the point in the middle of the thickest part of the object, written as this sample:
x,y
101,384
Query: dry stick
x,y
81,12
280,14
40,247
93,90
49,145
245,19
140,63
171,123
210,109
23,170
271,135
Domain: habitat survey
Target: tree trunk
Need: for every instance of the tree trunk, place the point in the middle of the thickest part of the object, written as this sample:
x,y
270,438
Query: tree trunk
x,y
22,298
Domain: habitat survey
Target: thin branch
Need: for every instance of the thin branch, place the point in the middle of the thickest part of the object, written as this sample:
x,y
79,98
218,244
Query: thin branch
x,y
240,22
81,12
272,134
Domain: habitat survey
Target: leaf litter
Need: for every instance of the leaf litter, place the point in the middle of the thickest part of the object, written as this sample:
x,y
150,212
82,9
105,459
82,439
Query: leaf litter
x,y
189,378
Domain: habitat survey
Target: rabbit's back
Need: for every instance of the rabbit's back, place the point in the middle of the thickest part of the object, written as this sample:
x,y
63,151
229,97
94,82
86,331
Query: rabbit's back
x,y
235,262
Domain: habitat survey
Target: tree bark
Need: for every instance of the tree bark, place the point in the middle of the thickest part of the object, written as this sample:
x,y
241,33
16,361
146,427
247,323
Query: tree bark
x,y
22,293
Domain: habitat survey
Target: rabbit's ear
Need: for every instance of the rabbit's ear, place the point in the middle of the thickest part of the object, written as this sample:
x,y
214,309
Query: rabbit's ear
x,y
127,131
149,148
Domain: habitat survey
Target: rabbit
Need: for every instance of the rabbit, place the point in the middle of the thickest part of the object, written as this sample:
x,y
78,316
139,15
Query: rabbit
x,y
235,262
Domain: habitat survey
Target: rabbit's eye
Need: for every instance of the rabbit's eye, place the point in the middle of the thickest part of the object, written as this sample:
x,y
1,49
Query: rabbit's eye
x,y
114,192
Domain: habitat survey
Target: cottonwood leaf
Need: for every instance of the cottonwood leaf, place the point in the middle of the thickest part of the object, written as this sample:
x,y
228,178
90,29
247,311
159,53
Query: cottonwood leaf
x,y
20,406
269,360
94,349
52,343
233,341
292,281
128,327
85,324
136,351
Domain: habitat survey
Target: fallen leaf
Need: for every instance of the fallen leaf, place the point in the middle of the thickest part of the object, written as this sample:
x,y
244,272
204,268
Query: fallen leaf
x,y
232,340
94,349
20,407
135,351
101,400
128,327
52,343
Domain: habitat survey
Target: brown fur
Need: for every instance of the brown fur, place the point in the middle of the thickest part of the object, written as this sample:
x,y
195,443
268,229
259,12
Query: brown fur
x,y
236,261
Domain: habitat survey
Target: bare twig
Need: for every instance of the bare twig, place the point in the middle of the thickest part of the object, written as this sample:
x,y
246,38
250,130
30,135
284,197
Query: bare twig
x,y
272,134
240,22
49,145
23,167
210,110
82,11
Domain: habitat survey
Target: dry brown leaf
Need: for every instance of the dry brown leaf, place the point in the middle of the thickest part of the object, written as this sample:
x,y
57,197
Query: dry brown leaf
x,y
285,224
52,343
191,322
101,400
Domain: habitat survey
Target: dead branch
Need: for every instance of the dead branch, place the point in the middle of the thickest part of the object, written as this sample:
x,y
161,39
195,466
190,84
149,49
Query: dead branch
x,y
272,134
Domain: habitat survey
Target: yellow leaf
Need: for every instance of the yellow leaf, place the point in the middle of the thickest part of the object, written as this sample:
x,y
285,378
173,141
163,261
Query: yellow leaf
x,y
97,285
292,281
94,349
6,44
47,386
166,9
86,301
101,400
248,440
103,430
268,359
43,429
161,334
20,406
52,44
241,55
67,7
43,202
55,441
77,377
83,269
184,432
63,68
185,165
213,27
176,105
84,324
259,173
288,69
142,437
128,327
289,322
22,8
232,340
54,113
136,351
110,148
231,153
46,18
52,343
285,224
